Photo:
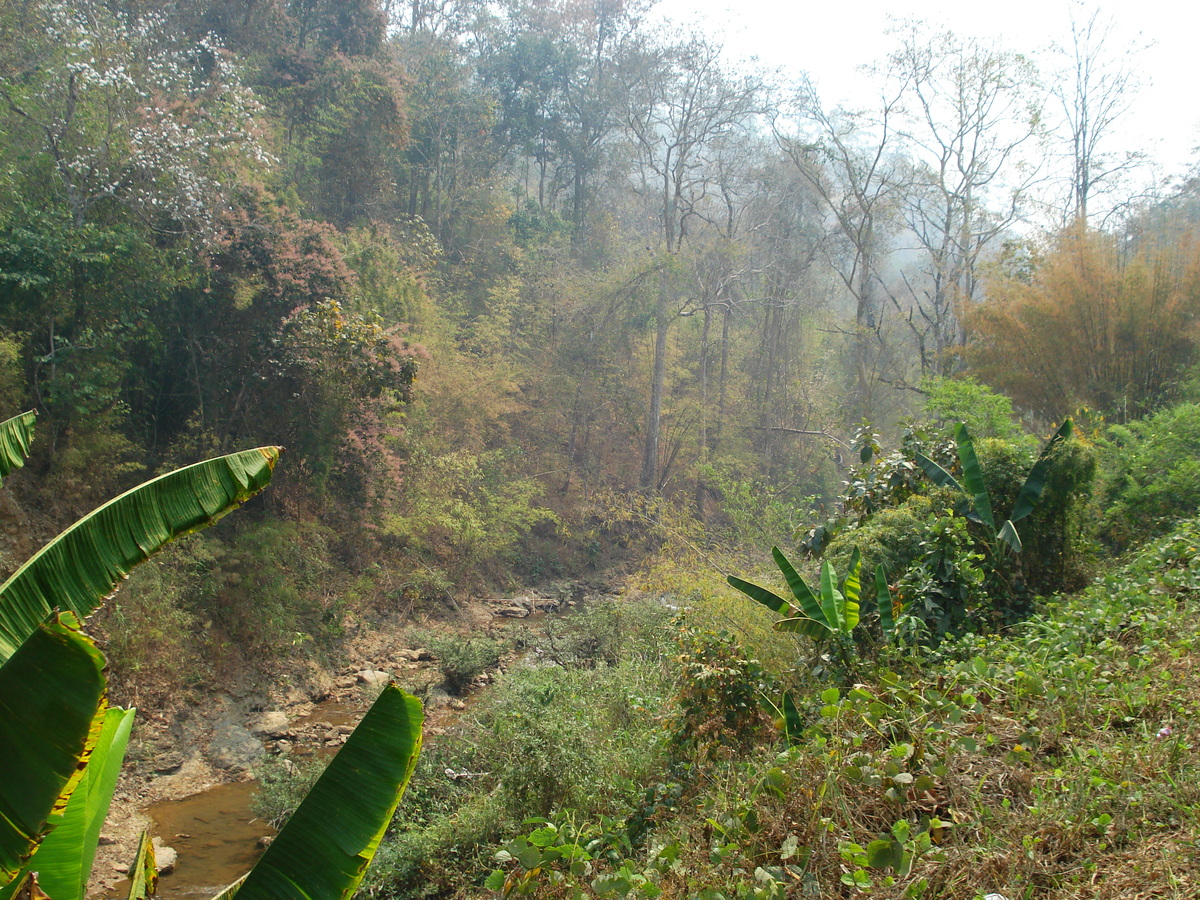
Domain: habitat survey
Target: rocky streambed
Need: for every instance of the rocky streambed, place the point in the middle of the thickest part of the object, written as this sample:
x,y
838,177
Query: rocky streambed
x,y
189,775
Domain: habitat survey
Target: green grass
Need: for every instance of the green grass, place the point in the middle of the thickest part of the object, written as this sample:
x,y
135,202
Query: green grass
x,y
1055,761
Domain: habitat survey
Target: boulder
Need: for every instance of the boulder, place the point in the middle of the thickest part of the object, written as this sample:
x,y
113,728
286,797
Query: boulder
x,y
373,677
273,723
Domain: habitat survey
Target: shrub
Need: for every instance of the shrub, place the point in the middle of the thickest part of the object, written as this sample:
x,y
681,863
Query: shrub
x,y
986,413
1150,474
462,660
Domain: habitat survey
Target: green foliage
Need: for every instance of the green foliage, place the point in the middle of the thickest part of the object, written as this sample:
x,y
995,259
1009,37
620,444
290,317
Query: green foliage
x,y
464,510
722,692
953,567
986,413
52,692
331,838
542,739
16,434
64,859
757,512
79,568
462,659
278,589
1150,474
828,616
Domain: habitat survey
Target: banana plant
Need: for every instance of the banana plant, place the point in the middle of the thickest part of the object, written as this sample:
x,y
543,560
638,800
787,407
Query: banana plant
x,y
973,486
84,564
831,615
16,434
323,851
61,746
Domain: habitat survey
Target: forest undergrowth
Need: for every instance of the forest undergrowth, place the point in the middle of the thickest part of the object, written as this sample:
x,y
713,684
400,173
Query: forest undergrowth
x,y
644,751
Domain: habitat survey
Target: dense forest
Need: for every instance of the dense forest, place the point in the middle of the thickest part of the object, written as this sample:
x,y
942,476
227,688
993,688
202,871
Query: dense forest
x,y
545,293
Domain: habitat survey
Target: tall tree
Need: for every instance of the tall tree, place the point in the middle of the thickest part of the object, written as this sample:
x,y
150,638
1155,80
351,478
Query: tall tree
x,y
851,161
970,112
1093,88
682,107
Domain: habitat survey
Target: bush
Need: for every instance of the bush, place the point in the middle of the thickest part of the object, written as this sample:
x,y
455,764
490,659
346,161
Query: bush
x,y
987,414
462,660
1150,475
950,573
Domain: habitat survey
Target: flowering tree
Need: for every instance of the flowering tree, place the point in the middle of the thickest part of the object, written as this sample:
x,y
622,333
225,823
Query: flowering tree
x,y
121,111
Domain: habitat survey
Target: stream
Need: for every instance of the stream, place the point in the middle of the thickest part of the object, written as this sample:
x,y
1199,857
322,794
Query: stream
x,y
216,836
215,832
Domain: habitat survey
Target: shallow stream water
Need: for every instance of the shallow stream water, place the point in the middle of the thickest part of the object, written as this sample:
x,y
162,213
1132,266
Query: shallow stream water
x,y
216,836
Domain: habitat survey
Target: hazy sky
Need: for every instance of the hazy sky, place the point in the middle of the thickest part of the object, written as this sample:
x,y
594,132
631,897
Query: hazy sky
x,y
831,39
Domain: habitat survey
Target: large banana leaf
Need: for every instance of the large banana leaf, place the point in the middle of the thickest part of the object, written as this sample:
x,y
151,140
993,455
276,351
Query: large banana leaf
x,y
809,604
973,477
83,565
832,601
52,698
64,859
324,849
936,473
813,628
16,434
1035,482
850,591
883,599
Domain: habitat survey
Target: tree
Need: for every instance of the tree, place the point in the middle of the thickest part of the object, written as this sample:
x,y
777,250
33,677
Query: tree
x,y
1091,327
682,110
1093,90
971,112
126,112
850,160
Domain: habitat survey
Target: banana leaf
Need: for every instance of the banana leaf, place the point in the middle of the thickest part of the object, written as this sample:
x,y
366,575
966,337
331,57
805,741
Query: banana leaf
x,y
83,565
936,473
1035,481
850,591
64,859
883,598
1008,534
52,702
769,599
143,874
16,434
832,601
973,477
813,628
324,849
809,605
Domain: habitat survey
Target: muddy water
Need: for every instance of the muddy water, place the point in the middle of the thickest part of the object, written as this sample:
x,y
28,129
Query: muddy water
x,y
215,834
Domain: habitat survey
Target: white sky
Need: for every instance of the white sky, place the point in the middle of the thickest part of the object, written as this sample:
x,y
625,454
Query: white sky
x,y
830,39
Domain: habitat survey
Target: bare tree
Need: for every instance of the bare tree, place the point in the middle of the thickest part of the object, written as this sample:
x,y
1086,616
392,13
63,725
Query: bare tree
x,y
970,112
1093,88
850,160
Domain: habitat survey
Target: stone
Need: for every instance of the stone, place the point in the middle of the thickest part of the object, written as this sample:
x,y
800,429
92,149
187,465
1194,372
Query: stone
x,y
271,723
165,857
265,841
373,677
